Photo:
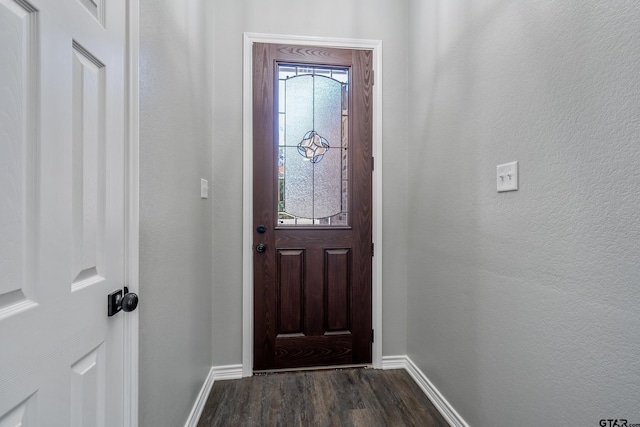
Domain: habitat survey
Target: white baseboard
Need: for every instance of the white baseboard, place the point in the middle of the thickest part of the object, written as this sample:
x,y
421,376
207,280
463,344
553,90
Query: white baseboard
x,y
438,400
227,372
394,362
216,373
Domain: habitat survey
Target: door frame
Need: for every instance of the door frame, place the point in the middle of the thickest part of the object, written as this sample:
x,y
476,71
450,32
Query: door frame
x,y
132,211
247,183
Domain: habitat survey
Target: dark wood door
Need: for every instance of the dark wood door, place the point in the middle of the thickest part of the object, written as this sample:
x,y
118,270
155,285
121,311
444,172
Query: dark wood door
x,y
312,126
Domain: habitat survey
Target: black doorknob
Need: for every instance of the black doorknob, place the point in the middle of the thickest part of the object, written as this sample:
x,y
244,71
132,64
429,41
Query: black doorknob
x,y
129,302
261,247
261,229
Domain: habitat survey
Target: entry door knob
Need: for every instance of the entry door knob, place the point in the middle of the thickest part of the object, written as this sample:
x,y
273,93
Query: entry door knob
x,y
117,302
129,302
261,247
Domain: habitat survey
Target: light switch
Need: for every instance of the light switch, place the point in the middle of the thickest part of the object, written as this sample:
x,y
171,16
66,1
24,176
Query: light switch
x,y
204,188
507,177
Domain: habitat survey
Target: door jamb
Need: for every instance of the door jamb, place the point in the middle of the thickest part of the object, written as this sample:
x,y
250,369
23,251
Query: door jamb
x,y
132,221
247,184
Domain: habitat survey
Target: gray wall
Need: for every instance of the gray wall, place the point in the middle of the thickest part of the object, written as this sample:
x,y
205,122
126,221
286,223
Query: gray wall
x,y
377,19
520,307
175,224
523,306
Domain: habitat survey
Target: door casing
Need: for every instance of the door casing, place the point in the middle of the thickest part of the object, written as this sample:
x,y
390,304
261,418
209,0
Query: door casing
x,y
132,186
247,183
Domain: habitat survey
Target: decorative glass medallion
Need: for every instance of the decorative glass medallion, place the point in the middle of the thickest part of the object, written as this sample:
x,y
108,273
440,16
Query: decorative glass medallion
x,y
313,146
313,178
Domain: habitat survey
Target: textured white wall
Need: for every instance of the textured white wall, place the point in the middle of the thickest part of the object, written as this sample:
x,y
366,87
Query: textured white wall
x,y
371,19
175,224
523,307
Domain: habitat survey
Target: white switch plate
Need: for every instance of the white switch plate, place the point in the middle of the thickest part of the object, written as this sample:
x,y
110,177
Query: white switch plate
x,y
507,177
204,188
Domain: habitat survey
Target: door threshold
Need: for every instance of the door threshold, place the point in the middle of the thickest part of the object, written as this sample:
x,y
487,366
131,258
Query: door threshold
x,y
313,368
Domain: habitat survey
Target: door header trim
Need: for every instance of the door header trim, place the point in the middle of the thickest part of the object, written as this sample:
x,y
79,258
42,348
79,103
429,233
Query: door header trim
x,y
247,182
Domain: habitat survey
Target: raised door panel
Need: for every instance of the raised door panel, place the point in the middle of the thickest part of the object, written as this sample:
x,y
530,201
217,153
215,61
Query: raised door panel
x,y
95,8
88,390
291,285
88,167
292,352
24,414
337,290
18,146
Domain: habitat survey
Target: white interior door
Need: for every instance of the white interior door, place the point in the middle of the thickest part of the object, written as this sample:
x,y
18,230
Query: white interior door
x,y
62,211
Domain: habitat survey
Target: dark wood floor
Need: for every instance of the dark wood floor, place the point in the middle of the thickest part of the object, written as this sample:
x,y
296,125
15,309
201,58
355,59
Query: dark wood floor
x,y
349,397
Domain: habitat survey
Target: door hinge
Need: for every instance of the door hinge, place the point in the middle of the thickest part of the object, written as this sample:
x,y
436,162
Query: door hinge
x,y
372,249
372,335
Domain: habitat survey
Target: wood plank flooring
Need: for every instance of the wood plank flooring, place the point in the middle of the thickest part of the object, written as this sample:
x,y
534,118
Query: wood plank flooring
x,y
348,397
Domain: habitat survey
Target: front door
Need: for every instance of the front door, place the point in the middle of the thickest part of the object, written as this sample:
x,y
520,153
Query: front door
x,y
312,126
62,211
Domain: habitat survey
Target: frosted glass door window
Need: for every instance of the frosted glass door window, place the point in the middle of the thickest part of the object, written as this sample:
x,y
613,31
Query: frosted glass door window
x,y
313,178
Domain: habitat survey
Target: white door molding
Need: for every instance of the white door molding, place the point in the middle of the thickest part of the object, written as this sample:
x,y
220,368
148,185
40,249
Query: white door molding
x,y
247,183
131,337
